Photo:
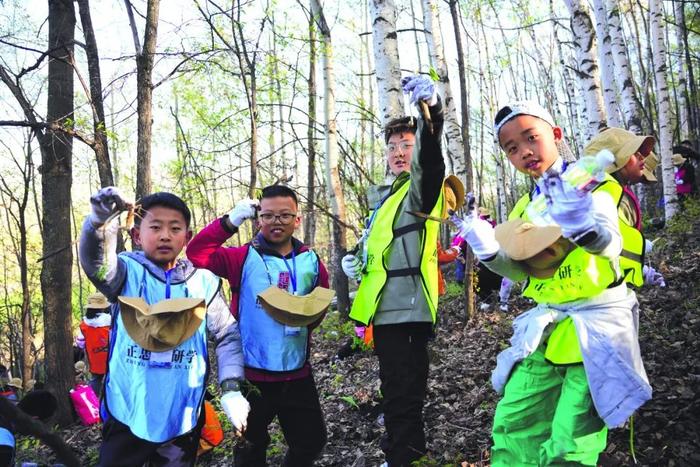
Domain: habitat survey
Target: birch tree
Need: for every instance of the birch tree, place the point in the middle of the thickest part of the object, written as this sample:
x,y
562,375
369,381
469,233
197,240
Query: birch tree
x,y
665,135
587,66
386,59
684,108
607,65
336,197
452,132
629,102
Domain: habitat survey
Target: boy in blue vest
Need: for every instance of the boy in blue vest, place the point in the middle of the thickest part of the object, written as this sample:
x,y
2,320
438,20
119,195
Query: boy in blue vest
x,y
276,355
152,404
574,366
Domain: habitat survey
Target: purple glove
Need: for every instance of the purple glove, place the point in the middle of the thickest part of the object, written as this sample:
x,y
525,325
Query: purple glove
x,y
652,277
360,331
421,88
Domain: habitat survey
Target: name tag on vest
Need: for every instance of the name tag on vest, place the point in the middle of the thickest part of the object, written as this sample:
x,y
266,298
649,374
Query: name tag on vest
x,y
161,360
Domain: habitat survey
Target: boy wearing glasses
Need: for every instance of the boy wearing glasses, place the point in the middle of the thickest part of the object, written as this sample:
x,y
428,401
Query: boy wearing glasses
x,y
397,266
276,356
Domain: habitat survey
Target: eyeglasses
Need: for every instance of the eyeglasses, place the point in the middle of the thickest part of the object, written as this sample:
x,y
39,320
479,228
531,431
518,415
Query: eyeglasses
x,y
406,148
285,218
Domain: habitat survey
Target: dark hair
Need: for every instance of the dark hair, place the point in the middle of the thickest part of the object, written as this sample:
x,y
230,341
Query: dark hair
x,y
399,125
273,191
91,313
166,200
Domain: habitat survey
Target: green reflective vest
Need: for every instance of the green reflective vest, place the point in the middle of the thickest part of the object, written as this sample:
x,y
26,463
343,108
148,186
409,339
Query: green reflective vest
x,y
378,246
581,275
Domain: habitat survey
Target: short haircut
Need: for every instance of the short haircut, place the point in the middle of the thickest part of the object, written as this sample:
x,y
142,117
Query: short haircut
x,y
166,200
274,191
398,126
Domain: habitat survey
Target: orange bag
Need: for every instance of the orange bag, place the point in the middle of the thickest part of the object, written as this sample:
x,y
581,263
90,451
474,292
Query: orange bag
x,y
212,433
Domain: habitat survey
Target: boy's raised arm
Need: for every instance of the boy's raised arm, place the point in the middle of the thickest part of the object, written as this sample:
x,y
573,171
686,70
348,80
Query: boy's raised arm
x,y
98,243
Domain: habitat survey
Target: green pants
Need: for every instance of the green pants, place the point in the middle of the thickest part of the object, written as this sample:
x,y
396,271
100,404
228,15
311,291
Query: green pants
x,y
547,417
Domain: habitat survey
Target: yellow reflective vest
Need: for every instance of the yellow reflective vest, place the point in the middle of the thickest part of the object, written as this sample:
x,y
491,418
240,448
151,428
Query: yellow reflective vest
x,y
378,246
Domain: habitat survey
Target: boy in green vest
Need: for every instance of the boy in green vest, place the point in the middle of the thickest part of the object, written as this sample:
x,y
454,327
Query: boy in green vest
x,y
397,266
574,366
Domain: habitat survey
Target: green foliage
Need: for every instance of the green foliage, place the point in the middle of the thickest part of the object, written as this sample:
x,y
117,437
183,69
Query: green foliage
x,y
350,401
682,222
433,74
276,446
335,328
453,290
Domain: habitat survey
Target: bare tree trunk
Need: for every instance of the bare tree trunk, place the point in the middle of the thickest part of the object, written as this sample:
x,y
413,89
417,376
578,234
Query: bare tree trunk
x,y
684,111
656,14
569,87
337,199
56,182
386,59
310,215
452,131
587,66
467,177
100,145
607,65
628,97
144,94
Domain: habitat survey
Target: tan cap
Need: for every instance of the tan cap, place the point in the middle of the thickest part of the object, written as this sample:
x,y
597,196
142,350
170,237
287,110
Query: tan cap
x,y
453,193
622,143
650,163
678,159
15,383
163,325
97,301
295,310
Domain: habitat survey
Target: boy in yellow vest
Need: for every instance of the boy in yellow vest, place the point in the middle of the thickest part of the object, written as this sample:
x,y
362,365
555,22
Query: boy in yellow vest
x,y
397,267
574,366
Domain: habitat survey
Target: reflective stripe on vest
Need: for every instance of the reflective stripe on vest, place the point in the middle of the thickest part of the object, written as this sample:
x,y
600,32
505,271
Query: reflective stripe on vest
x,y
268,344
379,242
96,347
158,396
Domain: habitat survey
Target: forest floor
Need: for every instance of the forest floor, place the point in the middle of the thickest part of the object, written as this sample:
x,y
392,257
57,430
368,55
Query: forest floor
x,y
460,403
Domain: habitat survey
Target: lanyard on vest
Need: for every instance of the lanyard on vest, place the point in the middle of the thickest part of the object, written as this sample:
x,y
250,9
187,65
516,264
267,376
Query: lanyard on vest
x,y
142,287
292,270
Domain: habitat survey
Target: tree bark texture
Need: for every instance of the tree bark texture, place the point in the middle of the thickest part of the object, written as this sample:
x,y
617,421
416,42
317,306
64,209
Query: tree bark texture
x,y
144,96
100,145
587,66
310,214
665,135
628,96
607,65
451,131
386,59
335,188
56,182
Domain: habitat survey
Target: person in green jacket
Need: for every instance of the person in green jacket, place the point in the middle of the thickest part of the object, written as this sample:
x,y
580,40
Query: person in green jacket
x,y
397,267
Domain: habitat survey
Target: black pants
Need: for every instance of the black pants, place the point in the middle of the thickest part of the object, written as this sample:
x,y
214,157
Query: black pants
x,y
296,405
121,448
403,369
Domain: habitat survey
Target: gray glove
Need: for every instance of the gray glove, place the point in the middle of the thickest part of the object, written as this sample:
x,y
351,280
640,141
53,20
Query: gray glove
x,y
106,202
352,267
421,88
569,207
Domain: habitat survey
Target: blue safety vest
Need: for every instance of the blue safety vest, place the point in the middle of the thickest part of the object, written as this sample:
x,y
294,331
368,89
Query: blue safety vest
x,y
158,395
268,344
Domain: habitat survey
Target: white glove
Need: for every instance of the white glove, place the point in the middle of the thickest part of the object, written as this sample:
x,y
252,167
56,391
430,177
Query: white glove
x,y
421,88
652,277
648,246
79,340
236,408
106,202
352,267
569,207
478,233
245,209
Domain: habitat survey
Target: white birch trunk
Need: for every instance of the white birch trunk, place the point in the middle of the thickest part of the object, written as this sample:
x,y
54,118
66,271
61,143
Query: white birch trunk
x,y
683,113
386,59
451,129
607,65
566,77
628,98
665,136
587,66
